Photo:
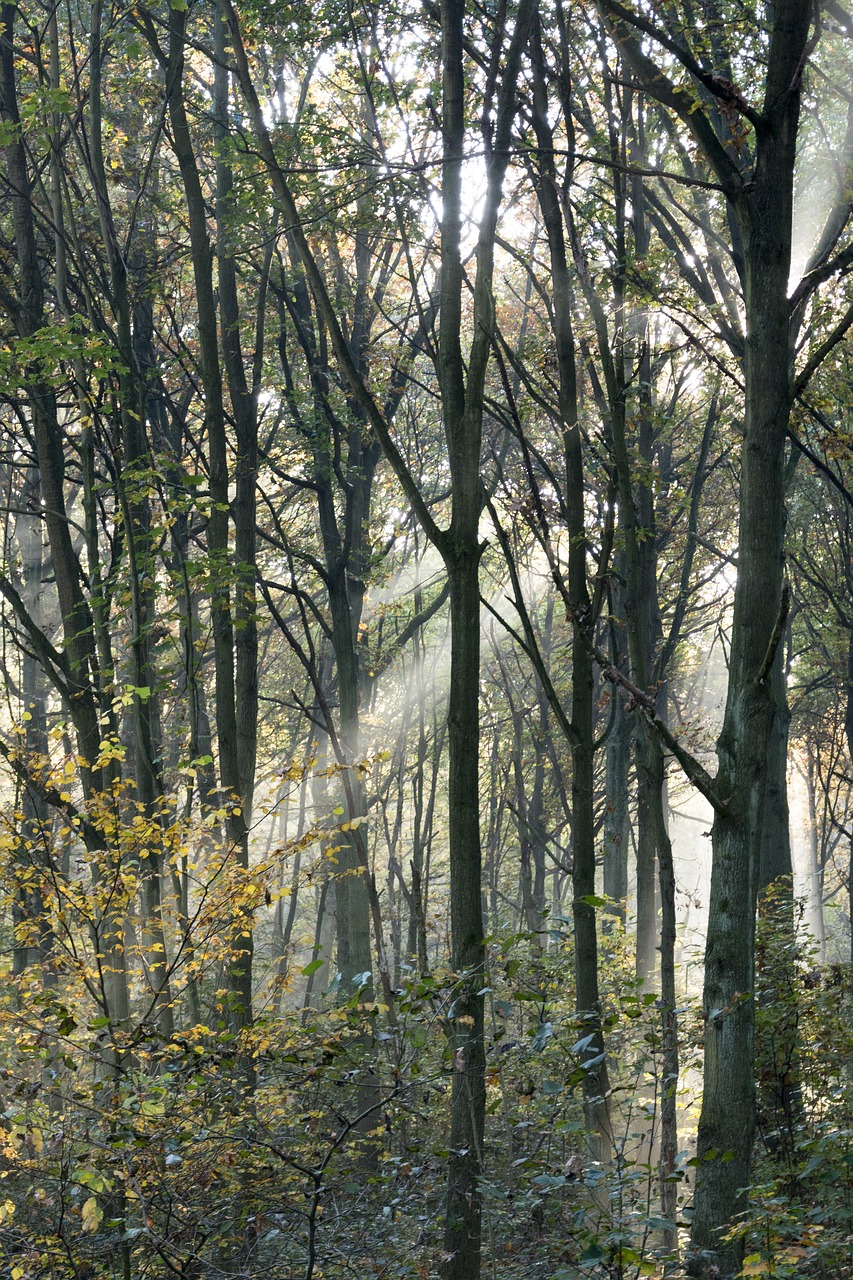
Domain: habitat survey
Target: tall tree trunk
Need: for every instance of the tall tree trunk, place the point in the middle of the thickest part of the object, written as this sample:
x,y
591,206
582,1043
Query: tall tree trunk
x,y
462,396
617,830
229,738
815,880
587,995
760,204
764,212
33,938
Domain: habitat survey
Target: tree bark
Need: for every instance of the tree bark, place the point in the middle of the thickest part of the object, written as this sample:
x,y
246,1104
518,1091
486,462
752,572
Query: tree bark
x,y
764,214
760,204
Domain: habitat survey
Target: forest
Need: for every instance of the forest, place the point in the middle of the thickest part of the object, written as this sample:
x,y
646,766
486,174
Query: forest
x,y
426,631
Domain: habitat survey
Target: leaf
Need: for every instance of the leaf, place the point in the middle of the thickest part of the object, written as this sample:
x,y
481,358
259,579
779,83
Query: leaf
x,y
312,968
92,1215
543,1035
754,1265
660,1224
592,1255
549,1181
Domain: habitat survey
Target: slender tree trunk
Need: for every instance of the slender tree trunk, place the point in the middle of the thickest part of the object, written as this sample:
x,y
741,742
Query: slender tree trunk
x,y
462,1224
587,995
848,731
462,395
33,938
616,834
462,405
815,890
230,738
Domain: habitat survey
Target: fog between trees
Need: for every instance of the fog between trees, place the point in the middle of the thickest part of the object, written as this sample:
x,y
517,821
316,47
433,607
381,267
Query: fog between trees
x,y
427,631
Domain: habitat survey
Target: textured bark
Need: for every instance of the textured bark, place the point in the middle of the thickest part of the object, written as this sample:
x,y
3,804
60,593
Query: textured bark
x,y
462,1225
777,1071
760,209
775,858
764,213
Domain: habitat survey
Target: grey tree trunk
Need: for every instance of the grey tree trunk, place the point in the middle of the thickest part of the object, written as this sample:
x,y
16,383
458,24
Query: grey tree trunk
x,y
33,938
581,729
234,733
616,834
462,396
764,214
760,202
817,922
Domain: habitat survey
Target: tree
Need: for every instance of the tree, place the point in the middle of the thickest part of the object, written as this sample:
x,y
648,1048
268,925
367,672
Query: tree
x,y
758,184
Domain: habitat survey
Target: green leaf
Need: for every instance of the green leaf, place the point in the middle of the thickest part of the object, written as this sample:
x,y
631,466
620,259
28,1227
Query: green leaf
x,y
312,968
660,1224
543,1035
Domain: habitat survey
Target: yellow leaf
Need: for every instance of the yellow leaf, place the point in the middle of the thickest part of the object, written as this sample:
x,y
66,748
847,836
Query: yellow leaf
x,y
92,1215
